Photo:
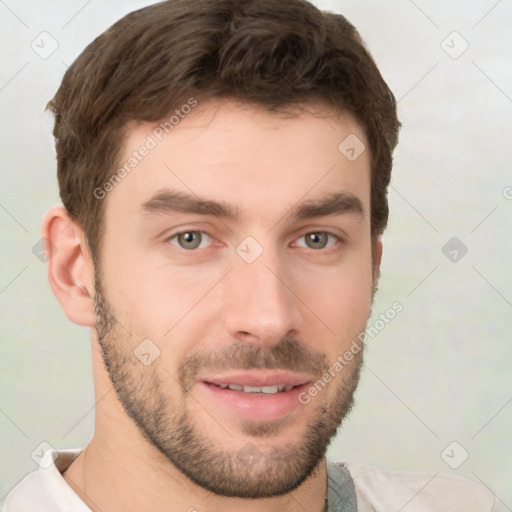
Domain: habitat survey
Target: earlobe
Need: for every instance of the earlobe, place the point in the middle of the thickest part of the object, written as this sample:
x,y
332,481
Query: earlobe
x,y
69,266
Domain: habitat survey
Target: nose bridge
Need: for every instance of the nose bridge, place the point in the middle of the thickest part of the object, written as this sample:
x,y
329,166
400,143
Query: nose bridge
x,y
260,305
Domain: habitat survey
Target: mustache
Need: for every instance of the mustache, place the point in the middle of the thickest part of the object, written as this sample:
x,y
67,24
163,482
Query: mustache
x,y
287,354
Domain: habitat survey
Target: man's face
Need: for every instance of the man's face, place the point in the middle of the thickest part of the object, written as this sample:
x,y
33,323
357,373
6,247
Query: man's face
x,y
237,253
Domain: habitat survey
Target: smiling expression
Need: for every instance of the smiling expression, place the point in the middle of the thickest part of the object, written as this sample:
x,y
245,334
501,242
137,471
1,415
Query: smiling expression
x,y
239,249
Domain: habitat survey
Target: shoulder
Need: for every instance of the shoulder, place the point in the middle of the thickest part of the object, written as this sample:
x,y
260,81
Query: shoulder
x,y
28,492
45,489
379,489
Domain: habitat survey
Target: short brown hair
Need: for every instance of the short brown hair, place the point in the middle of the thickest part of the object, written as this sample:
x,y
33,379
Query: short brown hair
x,y
274,54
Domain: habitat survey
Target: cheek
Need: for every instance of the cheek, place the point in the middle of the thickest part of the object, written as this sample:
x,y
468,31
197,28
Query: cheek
x,y
341,290
340,299
343,305
163,303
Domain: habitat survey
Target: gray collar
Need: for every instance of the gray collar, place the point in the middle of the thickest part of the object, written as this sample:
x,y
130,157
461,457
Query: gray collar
x,y
341,493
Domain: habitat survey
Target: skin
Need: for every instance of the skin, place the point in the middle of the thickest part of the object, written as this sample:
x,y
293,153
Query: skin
x,y
204,303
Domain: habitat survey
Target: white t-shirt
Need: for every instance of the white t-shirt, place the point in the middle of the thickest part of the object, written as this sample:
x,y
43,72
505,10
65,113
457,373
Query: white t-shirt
x,y
352,487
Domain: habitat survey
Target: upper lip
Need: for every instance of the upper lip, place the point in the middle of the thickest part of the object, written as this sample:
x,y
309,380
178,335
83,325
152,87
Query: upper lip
x,y
258,378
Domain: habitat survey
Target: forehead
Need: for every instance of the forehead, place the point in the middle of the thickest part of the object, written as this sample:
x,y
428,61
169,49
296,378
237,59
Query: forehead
x,y
244,156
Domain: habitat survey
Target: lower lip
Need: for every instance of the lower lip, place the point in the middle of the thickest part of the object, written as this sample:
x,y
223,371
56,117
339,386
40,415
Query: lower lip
x,y
254,406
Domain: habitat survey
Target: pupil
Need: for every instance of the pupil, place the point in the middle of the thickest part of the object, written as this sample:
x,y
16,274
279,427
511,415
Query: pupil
x,y
317,240
190,240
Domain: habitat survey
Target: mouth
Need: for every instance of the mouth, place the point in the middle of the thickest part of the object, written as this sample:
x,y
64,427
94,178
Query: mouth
x,y
263,390
255,395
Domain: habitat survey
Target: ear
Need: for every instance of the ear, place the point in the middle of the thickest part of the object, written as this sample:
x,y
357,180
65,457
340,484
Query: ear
x,y
69,266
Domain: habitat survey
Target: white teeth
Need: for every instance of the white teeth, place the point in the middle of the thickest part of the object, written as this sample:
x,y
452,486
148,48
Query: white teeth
x,y
267,390
270,389
252,389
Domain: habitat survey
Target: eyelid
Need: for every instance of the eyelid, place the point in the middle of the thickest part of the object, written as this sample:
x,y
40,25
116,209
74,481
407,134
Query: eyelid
x,y
199,227
335,231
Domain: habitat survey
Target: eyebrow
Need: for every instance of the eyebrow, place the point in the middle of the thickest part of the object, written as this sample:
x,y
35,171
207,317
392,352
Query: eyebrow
x,y
334,204
169,201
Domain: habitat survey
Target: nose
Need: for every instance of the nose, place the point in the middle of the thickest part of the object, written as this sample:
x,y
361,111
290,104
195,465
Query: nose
x,y
260,304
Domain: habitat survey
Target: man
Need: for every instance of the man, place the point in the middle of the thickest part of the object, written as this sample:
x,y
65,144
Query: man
x,y
223,167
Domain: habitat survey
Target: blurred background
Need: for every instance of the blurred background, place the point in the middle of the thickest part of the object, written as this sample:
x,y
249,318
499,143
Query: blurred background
x,y
436,390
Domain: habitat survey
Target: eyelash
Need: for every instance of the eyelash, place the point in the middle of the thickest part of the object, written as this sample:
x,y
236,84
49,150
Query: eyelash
x,y
337,239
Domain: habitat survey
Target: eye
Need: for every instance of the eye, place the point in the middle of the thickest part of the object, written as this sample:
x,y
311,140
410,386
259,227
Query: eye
x,y
191,240
318,240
